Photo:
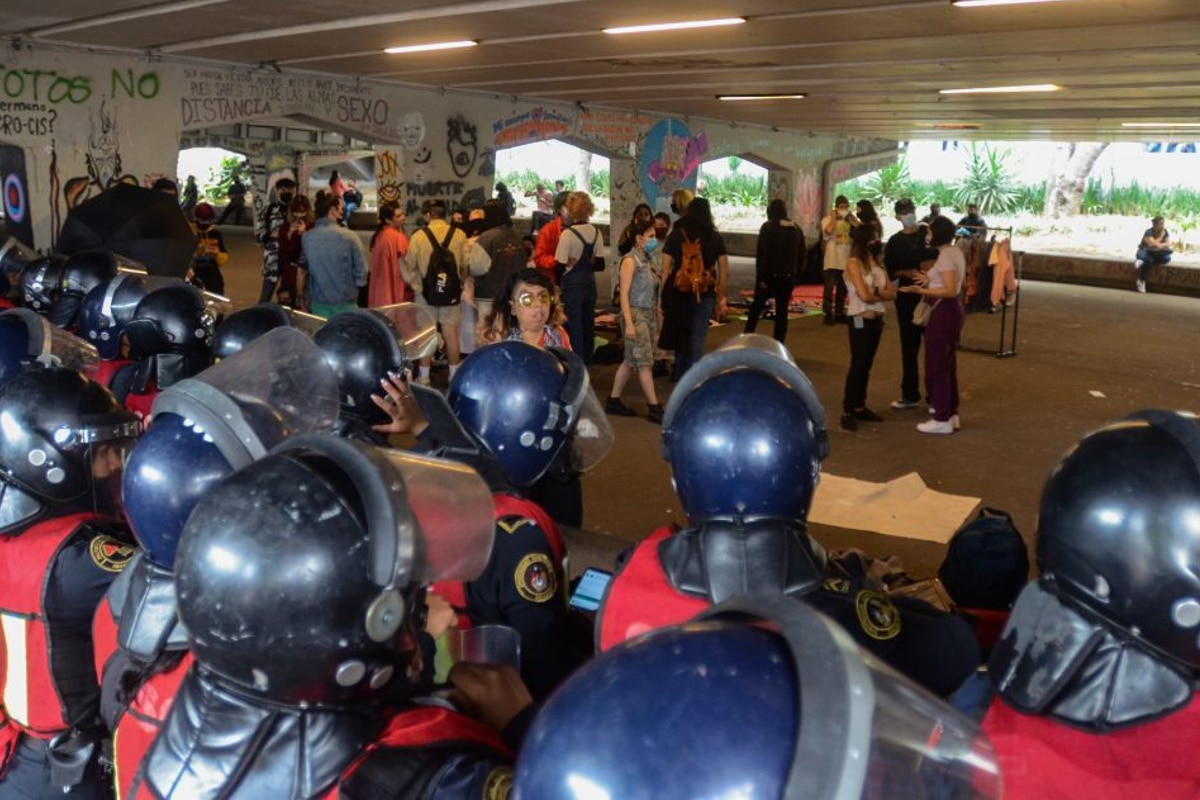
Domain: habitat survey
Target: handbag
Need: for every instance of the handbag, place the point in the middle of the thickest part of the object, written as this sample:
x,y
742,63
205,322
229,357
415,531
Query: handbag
x,y
923,311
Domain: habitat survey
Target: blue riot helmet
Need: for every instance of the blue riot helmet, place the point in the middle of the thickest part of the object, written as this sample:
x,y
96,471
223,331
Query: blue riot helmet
x,y
362,347
242,327
204,428
525,404
82,272
27,338
109,307
745,434
788,707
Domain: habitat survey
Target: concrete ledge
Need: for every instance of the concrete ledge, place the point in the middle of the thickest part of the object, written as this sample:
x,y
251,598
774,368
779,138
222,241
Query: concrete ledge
x,y
1108,273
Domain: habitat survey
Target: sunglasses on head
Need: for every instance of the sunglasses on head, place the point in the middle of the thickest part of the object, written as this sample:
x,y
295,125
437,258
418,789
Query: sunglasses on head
x,y
530,299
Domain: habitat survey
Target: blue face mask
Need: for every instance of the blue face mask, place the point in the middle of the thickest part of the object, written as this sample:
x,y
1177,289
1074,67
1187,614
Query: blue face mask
x,y
650,246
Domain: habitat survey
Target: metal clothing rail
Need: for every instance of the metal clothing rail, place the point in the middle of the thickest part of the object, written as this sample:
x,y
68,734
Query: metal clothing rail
x,y
1001,351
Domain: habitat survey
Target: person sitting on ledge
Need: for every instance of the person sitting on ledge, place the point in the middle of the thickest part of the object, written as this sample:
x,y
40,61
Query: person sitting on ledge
x,y
1154,249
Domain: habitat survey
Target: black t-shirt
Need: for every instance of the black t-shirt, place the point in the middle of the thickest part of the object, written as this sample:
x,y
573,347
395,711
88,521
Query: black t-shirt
x,y
905,251
712,247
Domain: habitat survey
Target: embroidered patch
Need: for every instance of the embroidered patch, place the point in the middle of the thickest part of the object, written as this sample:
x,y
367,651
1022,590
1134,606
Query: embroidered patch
x,y
877,616
535,578
511,525
109,554
499,784
836,585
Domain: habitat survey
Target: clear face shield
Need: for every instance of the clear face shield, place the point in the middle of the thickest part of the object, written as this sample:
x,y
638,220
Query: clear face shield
x,y
866,732
592,436
277,386
416,326
51,346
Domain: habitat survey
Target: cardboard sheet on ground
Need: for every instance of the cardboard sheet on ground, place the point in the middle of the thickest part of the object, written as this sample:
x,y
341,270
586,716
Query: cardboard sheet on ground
x,y
901,507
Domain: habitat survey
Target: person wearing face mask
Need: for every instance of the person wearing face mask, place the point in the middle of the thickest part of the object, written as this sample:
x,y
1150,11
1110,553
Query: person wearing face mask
x,y
835,234
266,231
903,257
867,289
779,255
639,318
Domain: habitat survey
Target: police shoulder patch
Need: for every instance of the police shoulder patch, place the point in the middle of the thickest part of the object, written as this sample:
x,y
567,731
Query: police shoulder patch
x,y
109,554
512,523
535,578
836,585
499,784
878,618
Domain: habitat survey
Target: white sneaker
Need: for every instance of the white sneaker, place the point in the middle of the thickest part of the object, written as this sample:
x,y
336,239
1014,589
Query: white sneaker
x,y
935,426
955,422
1141,286
1138,263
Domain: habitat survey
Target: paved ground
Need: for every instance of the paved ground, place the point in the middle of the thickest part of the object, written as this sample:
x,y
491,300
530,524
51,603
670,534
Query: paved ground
x,y
1085,356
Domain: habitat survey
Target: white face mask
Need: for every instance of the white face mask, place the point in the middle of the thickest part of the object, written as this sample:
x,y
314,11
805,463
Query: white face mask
x,y
842,213
908,220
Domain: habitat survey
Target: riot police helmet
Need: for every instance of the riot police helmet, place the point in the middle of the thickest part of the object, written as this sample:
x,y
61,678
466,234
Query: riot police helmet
x,y
82,272
745,434
296,575
526,404
64,441
40,283
361,347
109,307
173,319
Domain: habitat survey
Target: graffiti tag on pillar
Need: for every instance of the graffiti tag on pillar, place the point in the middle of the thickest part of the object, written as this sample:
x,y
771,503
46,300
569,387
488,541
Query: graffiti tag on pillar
x,y
462,143
103,160
388,177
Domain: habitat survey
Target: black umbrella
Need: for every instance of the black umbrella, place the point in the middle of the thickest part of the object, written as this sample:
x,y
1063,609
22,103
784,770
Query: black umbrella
x,y
141,224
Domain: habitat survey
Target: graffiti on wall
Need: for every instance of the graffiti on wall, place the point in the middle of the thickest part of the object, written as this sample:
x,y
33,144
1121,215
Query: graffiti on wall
x,y
389,177
462,144
807,206
102,160
670,160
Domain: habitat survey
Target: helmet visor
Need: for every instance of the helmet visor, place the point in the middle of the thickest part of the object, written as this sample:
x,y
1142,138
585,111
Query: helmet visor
x,y
592,437
416,326
277,386
51,346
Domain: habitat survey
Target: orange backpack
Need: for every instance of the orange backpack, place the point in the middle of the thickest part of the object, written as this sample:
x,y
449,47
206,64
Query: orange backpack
x,y
692,275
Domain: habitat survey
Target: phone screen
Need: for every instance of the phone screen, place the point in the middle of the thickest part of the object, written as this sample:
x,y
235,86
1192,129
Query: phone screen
x,y
590,591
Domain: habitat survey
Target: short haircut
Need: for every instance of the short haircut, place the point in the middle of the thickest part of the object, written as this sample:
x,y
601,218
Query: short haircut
x,y
905,205
777,210
436,209
841,200
580,206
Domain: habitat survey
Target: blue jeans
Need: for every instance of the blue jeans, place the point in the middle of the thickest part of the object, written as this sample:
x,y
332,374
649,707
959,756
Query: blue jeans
x,y
691,348
1151,259
579,303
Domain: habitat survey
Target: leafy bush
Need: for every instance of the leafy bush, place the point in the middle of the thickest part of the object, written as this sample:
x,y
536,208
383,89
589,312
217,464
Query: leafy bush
x,y
988,182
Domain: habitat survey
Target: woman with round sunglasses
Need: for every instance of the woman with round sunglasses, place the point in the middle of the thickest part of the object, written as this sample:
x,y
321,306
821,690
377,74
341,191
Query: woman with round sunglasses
x,y
638,290
526,310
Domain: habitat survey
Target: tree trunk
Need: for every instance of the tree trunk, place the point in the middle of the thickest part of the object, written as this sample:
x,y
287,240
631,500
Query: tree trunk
x,y
583,172
1068,181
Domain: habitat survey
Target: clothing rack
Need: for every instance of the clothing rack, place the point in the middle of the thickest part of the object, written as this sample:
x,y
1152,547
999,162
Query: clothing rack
x,y
1001,351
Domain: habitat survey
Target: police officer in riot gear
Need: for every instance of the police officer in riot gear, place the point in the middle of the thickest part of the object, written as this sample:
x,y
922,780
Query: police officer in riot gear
x,y
363,347
243,327
745,435
40,283
61,545
787,707
170,336
221,420
1096,669
297,578
511,411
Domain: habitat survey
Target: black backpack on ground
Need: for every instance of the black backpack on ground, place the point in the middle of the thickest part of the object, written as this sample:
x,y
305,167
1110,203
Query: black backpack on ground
x,y
987,562
441,284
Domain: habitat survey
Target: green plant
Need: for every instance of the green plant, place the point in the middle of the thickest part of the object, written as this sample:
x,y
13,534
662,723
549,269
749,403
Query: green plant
x,y
734,162
216,188
884,187
600,183
988,182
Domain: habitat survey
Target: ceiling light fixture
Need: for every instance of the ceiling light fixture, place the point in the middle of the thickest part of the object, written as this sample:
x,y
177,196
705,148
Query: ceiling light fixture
x,y
955,126
677,26
1032,87
1160,124
425,48
982,3
761,96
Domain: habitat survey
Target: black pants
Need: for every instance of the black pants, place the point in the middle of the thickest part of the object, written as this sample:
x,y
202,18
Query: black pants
x,y
579,304
28,776
833,299
864,342
781,290
237,209
910,346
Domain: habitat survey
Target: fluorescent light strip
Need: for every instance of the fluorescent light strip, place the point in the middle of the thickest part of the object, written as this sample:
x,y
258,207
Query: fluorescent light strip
x,y
1160,124
425,48
677,26
761,96
1033,87
983,3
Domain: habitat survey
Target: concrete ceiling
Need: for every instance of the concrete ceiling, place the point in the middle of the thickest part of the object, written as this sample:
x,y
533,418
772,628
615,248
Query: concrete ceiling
x,y
868,67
